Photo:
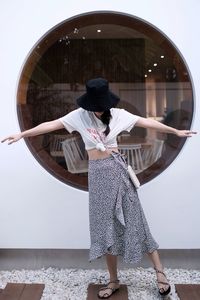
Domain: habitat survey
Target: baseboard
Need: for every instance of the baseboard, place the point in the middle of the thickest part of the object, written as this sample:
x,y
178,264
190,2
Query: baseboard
x,y
78,258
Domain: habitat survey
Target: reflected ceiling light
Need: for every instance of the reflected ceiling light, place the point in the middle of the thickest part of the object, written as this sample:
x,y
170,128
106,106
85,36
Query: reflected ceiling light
x,y
149,70
145,75
155,64
83,37
98,30
162,56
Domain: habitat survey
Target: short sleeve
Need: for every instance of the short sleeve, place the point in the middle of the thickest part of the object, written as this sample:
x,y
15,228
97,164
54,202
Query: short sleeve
x,y
70,121
127,120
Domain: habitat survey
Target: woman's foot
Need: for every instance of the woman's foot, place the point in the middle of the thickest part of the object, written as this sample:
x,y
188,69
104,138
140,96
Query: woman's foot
x,y
109,289
163,284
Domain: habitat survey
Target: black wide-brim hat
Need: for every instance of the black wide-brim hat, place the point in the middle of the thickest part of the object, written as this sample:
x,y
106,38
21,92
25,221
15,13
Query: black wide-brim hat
x,y
98,97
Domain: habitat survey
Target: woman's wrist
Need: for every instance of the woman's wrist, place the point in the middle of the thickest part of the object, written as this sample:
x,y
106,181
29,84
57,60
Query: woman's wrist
x,y
26,133
23,134
175,131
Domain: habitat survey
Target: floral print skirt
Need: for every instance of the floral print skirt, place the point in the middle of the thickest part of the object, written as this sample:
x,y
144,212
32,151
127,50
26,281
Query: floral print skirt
x,y
117,222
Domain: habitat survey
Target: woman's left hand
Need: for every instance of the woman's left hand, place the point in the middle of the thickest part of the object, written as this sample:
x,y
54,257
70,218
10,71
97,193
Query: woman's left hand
x,y
185,133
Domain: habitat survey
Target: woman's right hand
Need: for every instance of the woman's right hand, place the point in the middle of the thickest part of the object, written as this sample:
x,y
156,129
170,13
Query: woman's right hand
x,y
12,138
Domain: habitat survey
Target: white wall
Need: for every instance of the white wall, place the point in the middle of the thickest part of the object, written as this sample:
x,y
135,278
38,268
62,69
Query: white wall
x,y
38,211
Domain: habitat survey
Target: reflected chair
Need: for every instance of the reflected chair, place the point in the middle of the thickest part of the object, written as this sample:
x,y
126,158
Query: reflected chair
x,y
133,156
56,145
75,157
152,154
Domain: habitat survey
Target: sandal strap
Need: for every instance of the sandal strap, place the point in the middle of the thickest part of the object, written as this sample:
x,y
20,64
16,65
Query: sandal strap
x,y
158,271
106,288
166,283
106,295
114,281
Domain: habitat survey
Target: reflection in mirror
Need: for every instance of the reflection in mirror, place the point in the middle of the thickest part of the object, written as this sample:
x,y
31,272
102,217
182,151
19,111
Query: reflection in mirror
x,y
143,68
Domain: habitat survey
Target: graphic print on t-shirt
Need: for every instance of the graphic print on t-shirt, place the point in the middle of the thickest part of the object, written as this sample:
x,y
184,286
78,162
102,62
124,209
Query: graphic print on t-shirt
x,y
98,136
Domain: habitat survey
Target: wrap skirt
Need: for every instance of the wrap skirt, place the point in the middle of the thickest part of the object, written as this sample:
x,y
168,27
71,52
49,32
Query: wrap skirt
x,y
117,222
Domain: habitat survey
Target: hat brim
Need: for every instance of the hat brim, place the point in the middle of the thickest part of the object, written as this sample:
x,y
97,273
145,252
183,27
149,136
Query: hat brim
x,y
111,100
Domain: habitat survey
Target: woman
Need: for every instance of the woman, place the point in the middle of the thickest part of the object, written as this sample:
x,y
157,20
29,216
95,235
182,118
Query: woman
x,y
117,222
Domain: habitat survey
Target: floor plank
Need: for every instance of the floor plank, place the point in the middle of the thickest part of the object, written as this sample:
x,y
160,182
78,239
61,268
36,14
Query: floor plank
x,y
32,291
122,293
188,291
12,291
22,291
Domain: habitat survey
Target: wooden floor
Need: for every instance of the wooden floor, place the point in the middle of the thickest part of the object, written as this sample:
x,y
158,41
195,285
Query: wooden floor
x,y
121,294
184,291
188,291
22,291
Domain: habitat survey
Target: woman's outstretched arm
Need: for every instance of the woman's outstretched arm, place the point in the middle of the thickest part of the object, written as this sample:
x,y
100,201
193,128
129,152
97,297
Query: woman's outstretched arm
x,y
153,124
40,129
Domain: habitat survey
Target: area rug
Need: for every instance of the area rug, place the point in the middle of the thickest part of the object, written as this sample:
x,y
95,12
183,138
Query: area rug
x,y
71,284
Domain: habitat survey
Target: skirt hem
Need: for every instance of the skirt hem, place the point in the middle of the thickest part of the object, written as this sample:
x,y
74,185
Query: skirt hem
x,y
124,258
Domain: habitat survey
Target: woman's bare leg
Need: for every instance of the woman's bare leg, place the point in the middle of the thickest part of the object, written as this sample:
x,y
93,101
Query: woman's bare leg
x,y
154,257
111,261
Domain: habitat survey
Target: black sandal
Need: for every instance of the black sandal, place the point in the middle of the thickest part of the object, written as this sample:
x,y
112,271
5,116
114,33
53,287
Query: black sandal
x,y
162,291
106,295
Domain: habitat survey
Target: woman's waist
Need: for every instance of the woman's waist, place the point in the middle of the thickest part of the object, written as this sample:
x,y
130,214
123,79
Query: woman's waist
x,y
94,154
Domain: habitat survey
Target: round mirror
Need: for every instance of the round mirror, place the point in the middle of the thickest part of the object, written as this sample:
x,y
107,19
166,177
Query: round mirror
x,y
142,66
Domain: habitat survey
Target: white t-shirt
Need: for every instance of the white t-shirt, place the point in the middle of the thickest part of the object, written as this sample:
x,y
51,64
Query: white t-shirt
x,y
91,128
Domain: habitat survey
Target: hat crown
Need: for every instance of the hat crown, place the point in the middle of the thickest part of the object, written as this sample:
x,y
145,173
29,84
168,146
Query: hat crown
x,y
97,87
98,97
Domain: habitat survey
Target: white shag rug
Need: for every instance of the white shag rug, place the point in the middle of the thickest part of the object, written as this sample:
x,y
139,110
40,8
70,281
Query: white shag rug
x,y
71,284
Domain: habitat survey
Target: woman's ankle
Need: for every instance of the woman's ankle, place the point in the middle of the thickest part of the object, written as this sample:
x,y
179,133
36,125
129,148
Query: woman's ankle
x,y
114,280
